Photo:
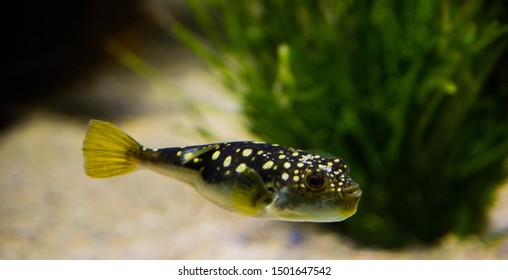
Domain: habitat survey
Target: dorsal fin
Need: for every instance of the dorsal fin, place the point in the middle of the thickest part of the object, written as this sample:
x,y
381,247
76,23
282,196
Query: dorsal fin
x,y
189,153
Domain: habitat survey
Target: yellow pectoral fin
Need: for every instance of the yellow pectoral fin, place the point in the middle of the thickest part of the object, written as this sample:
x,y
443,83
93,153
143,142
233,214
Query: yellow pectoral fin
x,y
108,151
249,195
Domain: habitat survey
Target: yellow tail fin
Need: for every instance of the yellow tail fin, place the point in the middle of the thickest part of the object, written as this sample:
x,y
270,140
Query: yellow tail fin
x,y
108,151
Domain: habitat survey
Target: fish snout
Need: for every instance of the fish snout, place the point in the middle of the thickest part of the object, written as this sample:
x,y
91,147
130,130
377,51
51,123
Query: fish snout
x,y
352,189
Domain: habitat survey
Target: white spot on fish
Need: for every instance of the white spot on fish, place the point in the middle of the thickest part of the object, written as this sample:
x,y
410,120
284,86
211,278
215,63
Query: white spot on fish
x,y
295,154
307,159
296,178
282,156
227,161
247,152
268,165
216,155
287,165
241,168
325,168
300,164
285,176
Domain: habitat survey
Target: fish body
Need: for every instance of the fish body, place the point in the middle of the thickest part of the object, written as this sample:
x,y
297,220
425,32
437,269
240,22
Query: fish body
x,y
250,178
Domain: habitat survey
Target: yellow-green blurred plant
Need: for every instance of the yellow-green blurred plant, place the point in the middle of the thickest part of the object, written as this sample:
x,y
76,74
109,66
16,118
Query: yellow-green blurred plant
x,y
397,88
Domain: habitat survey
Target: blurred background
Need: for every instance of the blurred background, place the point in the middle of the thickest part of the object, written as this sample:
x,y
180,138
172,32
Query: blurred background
x,y
413,95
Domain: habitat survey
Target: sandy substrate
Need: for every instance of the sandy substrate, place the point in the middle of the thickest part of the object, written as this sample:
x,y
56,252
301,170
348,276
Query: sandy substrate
x,y
49,209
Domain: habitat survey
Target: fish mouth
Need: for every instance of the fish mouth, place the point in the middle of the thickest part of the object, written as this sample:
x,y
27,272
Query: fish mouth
x,y
352,190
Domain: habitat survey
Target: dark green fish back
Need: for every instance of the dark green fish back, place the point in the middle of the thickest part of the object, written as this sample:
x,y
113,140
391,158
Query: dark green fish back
x,y
277,165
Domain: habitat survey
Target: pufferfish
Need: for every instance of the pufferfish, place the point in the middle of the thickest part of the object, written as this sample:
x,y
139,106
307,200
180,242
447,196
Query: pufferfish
x,y
250,178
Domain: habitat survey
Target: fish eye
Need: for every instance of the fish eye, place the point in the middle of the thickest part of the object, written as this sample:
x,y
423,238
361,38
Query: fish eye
x,y
315,181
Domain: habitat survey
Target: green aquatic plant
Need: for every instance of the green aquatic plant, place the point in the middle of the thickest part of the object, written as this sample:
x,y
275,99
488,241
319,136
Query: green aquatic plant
x,y
400,89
